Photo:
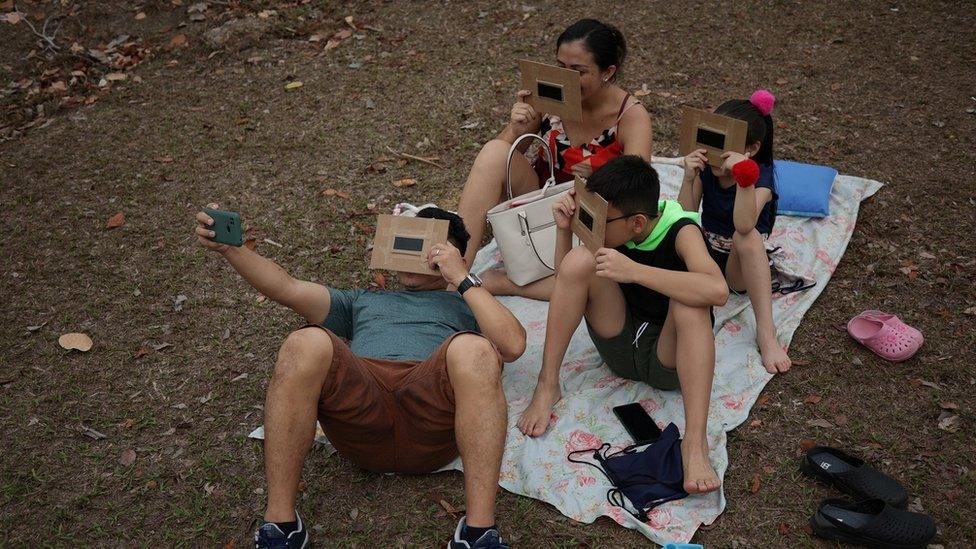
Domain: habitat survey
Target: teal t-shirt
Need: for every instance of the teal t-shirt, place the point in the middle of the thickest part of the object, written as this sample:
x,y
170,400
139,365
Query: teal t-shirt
x,y
397,325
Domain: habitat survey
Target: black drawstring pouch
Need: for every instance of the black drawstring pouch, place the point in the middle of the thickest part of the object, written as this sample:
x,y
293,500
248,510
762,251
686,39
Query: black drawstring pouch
x,y
647,478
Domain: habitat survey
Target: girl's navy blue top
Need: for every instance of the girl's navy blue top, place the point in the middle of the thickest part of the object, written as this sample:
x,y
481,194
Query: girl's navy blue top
x,y
718,203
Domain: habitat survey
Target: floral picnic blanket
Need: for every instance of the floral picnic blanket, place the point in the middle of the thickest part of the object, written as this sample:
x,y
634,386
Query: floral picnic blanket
x,y
538,468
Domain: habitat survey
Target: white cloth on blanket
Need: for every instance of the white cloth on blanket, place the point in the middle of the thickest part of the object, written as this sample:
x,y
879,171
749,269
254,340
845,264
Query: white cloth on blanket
x,y
538,468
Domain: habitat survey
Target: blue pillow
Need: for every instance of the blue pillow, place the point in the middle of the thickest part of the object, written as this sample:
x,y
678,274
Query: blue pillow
x,y
803,189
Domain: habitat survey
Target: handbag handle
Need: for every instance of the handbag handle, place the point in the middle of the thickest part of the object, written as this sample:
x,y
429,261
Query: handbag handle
x,y
511,153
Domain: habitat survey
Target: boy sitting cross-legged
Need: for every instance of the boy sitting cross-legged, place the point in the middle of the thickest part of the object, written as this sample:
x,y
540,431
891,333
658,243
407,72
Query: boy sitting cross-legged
x,y
646,297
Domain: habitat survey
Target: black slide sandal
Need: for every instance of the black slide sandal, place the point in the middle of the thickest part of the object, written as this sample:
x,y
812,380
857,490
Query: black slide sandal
x,y
872,523
853,476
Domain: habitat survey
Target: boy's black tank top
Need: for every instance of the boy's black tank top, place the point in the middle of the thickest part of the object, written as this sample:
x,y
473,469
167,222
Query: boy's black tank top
x,y
645,304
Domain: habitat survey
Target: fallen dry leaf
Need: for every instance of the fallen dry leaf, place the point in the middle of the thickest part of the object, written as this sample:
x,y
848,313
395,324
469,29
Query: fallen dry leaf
x,y
949,406
116,76
949,422
763,399
784,529
127,458
294,85
151,485
407,182
140,16
642,92
448,507
800,362
807,443
380,280
812,399
12,18
143,351
178,41
250,243
755,484
820,423
115,221
75,341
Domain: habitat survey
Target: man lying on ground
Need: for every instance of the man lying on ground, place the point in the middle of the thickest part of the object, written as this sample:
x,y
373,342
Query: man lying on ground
x,y
416,385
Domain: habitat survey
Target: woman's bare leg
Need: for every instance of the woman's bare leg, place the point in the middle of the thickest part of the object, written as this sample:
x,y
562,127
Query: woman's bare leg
x,y
497,282
486,185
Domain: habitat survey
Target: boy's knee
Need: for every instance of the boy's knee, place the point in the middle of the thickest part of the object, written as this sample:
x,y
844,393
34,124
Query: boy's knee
x,y
686,315
473,356
578,263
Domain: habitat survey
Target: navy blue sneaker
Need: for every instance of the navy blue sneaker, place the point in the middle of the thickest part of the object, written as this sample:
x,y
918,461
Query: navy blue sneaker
x,y
269,536
489,540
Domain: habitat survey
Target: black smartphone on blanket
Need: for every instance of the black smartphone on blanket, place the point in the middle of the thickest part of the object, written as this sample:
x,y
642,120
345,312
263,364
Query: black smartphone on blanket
x,y
638,423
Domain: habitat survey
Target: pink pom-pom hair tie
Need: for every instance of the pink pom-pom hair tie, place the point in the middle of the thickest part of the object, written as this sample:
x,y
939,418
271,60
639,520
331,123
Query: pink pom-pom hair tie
x,y
763,100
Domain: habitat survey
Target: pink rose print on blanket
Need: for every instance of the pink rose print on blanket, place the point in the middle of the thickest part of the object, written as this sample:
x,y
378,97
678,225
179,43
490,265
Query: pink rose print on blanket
x,y
536,326
732,327
575,365
581,440
650,405
660,518
733,402
616,513
609,381
825,258
585,480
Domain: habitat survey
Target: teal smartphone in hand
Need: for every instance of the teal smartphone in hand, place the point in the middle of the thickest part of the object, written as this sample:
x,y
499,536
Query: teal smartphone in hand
x,y
226,227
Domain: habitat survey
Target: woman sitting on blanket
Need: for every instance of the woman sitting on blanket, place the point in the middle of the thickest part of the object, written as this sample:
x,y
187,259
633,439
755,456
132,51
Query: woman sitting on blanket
x,y
614,123
738,204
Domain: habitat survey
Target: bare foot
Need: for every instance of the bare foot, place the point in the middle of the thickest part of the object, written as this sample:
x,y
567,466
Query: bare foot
x,y
700,477
496,281
774,357
535,418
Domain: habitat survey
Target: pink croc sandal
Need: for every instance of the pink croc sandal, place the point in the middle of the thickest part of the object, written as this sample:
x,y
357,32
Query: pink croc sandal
x,y
885,335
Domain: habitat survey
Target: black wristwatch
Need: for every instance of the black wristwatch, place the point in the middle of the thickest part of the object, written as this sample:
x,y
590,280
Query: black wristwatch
x,y
470,281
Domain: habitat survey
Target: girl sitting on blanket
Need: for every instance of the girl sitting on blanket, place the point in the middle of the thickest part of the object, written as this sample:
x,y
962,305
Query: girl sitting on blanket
x,y
614,123
738,204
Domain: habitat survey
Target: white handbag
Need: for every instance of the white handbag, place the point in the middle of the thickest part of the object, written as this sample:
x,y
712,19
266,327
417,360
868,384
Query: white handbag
x,y
524,227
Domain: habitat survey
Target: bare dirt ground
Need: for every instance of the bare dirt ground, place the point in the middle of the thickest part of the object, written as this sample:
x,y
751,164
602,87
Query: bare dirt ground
x,y
878,89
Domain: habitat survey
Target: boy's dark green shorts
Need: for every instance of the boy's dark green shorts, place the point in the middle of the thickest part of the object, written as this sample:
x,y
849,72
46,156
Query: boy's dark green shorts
x,y
639,362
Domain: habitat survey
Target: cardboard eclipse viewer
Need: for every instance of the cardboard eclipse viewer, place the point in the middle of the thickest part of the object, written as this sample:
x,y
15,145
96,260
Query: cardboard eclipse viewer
x,y
713,132
590,219
401,243
555,90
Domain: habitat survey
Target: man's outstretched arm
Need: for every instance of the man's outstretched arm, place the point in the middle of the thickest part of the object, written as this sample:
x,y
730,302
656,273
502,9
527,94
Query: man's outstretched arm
x,y
308,299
